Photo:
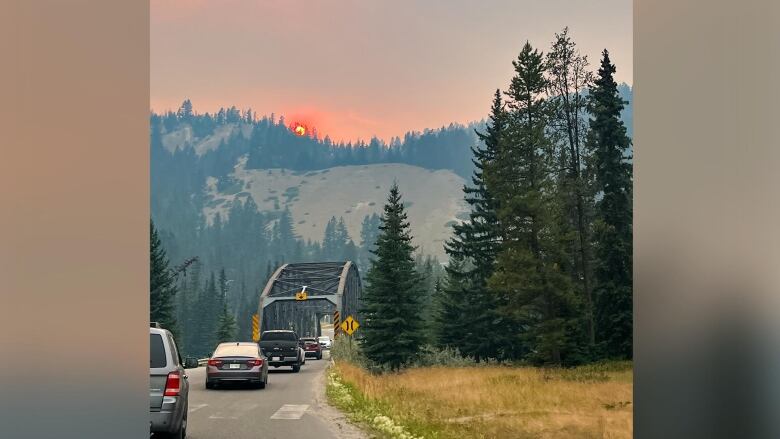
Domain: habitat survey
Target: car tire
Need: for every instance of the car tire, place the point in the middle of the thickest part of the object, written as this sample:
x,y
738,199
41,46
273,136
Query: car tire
x,y
209,385
319,357
296,368
261,384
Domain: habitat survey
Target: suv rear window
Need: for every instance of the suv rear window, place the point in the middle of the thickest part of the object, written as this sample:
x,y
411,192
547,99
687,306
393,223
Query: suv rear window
x,y
157,351
287,336
236,351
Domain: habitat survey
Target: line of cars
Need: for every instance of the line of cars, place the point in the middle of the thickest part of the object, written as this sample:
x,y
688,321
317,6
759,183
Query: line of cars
x,y
249,362
245,362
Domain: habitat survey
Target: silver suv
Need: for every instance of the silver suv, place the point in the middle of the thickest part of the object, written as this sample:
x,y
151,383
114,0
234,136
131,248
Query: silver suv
x,y
168,386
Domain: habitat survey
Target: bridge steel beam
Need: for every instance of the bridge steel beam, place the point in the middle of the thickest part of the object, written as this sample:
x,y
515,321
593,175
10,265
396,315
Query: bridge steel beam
x,y
329,285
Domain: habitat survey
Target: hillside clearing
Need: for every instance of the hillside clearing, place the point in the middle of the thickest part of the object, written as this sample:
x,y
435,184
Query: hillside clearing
x,y
434,198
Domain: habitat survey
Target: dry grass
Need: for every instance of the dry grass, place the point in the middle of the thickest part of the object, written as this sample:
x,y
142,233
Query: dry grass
x,y
503,402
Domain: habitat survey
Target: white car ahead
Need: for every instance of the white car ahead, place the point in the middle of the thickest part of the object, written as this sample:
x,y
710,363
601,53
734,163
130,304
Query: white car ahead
x,y
324,341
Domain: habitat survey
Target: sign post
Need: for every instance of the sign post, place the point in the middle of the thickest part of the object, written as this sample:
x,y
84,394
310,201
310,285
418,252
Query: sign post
x,y
336,323
255,328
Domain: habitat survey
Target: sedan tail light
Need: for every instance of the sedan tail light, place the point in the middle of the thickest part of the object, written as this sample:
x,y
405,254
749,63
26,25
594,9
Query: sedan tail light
x,y
255,362
173,384
213,362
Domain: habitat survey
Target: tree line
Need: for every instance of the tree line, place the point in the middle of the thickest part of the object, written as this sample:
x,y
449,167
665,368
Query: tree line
x,y
541,271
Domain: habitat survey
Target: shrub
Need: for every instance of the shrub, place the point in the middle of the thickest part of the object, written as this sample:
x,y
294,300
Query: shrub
x,y
433,356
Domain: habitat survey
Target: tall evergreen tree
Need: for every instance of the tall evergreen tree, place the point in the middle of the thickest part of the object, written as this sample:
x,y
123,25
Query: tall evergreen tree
x,y
391,329
451,316
330,245
610,145
369,230
528,264
568,78
226,326
162,284
473,249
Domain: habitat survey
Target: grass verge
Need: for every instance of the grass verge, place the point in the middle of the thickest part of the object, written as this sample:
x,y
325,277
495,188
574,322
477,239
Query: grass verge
x,y
593,401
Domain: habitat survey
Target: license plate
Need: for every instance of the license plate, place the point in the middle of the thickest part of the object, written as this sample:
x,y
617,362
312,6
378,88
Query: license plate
x,y
278,358
235,366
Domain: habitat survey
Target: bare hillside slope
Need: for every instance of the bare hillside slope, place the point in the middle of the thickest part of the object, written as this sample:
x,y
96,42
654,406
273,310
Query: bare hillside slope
x,y
434,198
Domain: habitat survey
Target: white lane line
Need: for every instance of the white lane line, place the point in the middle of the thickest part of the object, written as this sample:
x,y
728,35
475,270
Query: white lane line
x,y
290,411
197,407
222,417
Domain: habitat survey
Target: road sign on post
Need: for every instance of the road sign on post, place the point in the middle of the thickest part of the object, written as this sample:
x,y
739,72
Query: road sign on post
x,y
336,323
255,328
349,325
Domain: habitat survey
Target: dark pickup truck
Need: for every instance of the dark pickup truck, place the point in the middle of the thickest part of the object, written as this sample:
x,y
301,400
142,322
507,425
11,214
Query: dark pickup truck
x,y
282,348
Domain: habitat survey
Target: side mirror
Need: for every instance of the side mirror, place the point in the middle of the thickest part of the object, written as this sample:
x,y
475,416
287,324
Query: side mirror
x,y
190,363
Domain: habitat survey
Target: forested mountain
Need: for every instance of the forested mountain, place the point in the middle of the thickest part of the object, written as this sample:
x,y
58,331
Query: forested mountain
x,y
241,192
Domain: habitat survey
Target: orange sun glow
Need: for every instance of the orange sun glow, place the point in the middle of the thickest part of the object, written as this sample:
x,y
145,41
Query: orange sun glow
x,y
299,129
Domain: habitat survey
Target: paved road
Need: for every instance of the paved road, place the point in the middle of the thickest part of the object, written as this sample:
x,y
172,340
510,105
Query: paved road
x,y
291,406
240,412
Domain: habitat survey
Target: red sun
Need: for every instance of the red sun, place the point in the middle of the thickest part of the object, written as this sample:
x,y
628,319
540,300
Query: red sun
x,y
299,129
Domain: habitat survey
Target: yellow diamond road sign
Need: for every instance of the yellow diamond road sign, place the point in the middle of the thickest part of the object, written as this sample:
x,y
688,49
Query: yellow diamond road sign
x,y
350,325
301,295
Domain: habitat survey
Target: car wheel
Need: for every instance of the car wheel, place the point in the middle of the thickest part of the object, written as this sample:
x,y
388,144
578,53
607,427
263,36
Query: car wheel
x,y
261,384
296,368
209,385
319,357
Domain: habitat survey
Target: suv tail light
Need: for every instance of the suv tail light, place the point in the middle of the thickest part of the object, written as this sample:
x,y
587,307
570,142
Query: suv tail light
x,y
173,384
255,362
213,362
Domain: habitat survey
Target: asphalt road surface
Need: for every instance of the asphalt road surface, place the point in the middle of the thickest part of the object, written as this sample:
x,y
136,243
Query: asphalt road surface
x,y
292,406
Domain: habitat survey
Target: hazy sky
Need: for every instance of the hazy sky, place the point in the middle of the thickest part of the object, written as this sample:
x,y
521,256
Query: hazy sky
x,y
357,68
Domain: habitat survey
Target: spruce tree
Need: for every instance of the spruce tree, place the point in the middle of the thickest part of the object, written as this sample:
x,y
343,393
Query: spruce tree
x,y
472,251
610,145
162,284
452,311
528,263
226,326
391,330
568,78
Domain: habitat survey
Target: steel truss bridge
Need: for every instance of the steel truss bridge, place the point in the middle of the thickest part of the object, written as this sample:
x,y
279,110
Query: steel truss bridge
x,y
329,287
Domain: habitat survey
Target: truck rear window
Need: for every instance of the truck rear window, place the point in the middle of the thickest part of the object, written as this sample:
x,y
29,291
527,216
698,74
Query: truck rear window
x,y
156,351
275,336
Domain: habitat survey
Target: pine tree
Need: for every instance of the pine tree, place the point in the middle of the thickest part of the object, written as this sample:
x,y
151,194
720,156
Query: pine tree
x,y
369,230
528,263
473,249
330,241
207,314
452,312
162,284
610,145
391,329
568,78
226,326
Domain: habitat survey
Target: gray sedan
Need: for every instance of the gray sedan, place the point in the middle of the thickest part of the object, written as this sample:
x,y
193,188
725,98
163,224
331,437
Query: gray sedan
x,y
237,362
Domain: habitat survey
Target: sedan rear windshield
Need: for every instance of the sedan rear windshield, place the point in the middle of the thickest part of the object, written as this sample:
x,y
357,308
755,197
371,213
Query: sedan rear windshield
x,y
236,351
273,336
156,351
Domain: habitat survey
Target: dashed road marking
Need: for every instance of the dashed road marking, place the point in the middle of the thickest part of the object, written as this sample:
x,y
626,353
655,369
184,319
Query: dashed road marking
x,y
197,407
222,417
290,411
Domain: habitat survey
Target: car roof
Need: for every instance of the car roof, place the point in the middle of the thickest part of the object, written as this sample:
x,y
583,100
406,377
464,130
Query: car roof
x,y
279,330
238,343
